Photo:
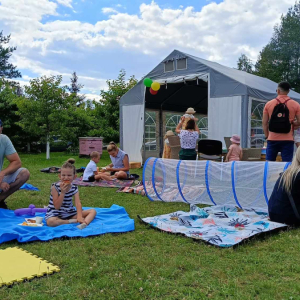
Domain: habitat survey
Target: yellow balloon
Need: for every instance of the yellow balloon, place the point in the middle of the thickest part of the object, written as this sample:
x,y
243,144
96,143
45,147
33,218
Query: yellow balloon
x,y
155,86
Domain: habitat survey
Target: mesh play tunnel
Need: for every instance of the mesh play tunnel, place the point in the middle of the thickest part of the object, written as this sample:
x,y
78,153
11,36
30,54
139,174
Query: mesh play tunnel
x,y
244,184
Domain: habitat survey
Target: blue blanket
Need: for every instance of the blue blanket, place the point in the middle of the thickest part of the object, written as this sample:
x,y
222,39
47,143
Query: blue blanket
x,y
108,220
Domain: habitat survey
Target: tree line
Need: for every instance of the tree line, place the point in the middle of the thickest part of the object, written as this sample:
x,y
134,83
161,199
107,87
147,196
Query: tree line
x,y
46,109
279,60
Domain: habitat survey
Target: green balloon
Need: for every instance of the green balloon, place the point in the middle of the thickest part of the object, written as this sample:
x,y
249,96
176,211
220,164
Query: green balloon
x,y
148,82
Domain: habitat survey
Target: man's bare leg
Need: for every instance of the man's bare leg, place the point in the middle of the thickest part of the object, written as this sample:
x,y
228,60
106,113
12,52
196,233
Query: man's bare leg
x,y
22,177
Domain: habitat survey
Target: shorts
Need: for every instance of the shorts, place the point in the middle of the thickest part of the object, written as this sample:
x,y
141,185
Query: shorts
x,y
285,147
10,178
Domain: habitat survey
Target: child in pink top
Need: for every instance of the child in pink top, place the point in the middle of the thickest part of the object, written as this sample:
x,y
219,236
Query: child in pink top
x,y
235,152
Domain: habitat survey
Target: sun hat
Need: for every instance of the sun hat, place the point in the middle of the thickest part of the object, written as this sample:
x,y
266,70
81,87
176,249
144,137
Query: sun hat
x,y
236,139
190,110
169,133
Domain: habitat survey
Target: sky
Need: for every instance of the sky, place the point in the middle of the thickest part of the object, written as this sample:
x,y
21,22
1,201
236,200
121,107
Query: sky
x,y
98,38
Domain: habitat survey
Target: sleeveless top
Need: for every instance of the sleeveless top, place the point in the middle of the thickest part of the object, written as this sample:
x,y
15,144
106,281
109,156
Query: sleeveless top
x,y
67,208
118,160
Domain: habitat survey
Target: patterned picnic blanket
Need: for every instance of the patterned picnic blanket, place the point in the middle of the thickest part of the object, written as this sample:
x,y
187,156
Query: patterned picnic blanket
x,y
223,226
103,183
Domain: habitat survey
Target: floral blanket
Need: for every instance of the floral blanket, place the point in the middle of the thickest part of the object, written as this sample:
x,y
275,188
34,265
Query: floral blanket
x,y
103,183
223,226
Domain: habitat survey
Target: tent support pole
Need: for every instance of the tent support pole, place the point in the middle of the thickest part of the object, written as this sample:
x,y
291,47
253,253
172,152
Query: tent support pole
x,y
144,139
161,130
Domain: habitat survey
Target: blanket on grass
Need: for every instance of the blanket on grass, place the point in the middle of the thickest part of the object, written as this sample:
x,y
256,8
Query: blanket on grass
x,y
103,183
222,226
136,189
108,220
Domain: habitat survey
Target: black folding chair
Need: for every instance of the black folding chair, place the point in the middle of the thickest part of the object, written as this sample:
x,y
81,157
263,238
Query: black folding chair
x,y
210,150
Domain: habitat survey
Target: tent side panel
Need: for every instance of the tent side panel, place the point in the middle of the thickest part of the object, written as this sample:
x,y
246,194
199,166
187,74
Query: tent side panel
x,y
133,131
224,117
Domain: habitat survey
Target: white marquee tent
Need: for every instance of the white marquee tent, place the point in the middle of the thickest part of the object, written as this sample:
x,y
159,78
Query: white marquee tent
x,y
224,94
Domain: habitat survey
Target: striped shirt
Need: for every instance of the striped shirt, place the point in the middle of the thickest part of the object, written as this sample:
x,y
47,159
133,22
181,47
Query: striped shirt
x,y
67,208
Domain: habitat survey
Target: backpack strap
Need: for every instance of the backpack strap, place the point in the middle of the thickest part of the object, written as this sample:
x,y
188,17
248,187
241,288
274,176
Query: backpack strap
x,y
285,102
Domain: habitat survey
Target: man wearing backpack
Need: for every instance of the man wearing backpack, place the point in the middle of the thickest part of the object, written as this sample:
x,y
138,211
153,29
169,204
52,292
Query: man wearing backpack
x,y
278,124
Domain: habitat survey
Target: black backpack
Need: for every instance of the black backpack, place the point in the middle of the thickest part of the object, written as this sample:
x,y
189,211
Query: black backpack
x,y
280,119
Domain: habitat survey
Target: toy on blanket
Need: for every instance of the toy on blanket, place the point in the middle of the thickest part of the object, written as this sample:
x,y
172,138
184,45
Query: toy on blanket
x,y
31,210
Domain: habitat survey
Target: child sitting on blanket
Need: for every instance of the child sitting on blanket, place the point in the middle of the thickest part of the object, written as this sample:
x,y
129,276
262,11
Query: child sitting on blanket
x,y
60,209
91,172
235,151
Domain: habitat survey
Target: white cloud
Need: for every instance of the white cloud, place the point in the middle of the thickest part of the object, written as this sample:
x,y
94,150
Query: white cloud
x,y
109,10
217,32
92,97
67,3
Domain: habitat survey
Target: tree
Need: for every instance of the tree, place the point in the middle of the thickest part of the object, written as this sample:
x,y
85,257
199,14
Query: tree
x,y
106,111
77,122
245,64
7,70
44,109
280,59
75,88
8,112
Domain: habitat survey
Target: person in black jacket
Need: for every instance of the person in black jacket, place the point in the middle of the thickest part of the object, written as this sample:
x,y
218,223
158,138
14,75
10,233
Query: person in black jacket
x,y
281,209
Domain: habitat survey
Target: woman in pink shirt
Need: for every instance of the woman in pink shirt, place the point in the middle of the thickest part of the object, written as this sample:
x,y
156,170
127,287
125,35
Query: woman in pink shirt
x,y
235,151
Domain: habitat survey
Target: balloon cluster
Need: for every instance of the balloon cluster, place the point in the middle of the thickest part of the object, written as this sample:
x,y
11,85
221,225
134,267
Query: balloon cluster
x,y
154,86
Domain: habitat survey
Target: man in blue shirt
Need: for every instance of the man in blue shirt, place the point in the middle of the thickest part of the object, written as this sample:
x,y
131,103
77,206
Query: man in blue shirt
x,y
13,176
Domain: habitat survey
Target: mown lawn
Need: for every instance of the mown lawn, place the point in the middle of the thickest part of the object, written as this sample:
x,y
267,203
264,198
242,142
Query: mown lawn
x,y
146,263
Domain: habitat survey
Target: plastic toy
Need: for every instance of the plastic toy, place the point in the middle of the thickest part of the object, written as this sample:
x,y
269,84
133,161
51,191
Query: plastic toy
x,y
31,210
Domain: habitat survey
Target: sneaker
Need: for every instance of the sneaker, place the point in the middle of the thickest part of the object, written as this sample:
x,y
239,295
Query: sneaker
x,y
3,205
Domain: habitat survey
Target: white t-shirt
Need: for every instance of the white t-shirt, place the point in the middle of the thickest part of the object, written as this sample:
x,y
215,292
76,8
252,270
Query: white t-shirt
x,y
188,139
89,170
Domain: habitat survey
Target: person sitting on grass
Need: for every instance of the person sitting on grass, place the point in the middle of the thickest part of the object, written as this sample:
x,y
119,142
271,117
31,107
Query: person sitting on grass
x,y
235,152
60,209
91,169
284,206
119,168
91,172
13,176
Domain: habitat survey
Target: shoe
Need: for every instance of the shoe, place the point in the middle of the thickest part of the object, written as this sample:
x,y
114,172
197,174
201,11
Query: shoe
x,y
3,205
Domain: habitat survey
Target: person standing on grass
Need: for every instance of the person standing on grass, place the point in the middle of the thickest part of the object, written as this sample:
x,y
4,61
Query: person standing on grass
x,y
13,176
235,150
278,124
188,139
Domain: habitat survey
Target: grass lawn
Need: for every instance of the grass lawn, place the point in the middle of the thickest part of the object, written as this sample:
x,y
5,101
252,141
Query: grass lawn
x,y
146,263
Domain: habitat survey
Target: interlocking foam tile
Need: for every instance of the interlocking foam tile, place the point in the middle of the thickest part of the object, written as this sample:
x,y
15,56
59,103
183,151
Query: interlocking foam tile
x,y
18,265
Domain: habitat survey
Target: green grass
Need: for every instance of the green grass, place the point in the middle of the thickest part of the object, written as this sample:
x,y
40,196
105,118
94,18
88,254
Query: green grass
x,y
146,263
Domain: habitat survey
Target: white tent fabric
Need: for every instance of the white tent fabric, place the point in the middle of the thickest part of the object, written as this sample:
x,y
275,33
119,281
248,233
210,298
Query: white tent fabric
x,y
133,128
224,117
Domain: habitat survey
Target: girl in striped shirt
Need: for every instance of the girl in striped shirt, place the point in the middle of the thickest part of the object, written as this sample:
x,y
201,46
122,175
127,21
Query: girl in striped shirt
x,y
60,209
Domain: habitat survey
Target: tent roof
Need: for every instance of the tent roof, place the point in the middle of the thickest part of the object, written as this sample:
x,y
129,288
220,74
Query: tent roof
x,y
224,81
243,77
